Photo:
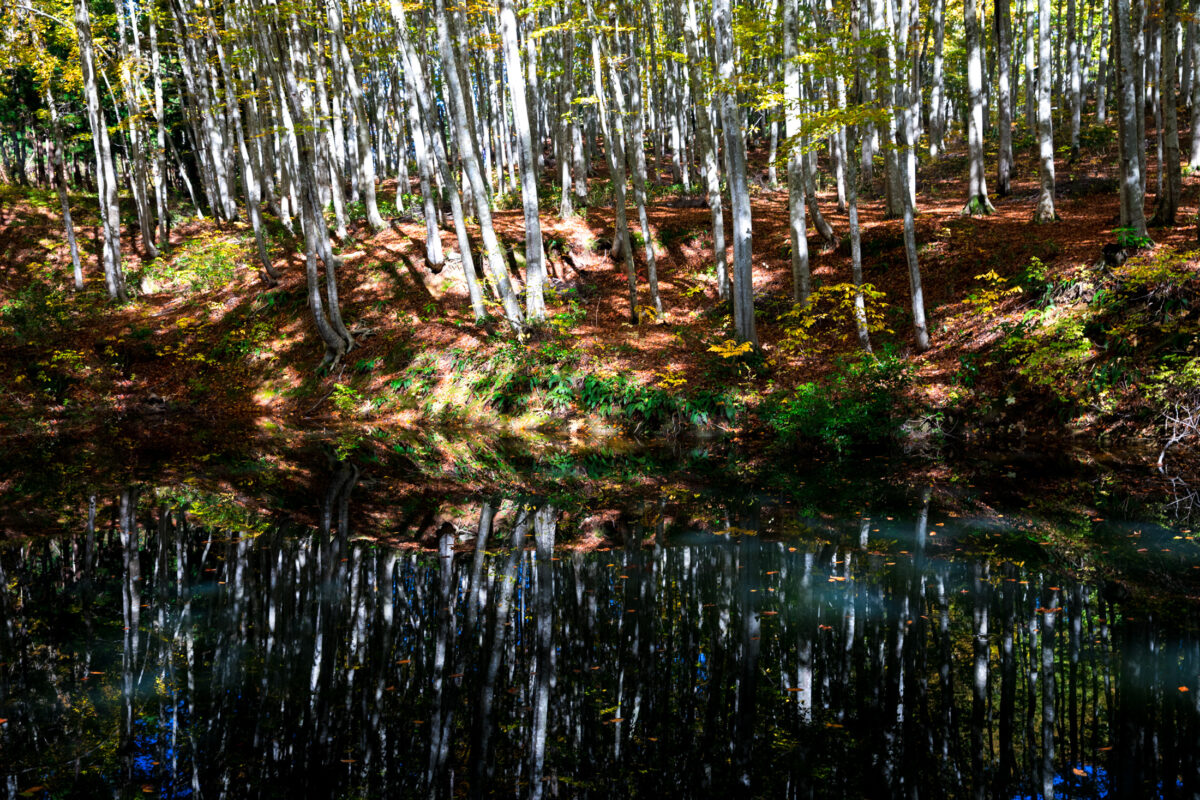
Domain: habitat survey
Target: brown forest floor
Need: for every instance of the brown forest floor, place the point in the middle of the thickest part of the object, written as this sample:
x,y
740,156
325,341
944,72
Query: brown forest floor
x,y
238,359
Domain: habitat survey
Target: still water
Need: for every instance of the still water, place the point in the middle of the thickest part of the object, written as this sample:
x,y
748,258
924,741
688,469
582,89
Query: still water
x,y
766,652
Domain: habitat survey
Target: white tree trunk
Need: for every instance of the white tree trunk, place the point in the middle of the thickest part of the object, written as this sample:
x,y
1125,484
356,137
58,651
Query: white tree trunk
x,y
535,270
457,106
739,190
977,195
1045,206
1133,213
365,173
106,177
801,276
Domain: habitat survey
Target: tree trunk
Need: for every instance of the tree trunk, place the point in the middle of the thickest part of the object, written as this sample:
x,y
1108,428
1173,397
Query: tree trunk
x,y
1004,157
977,196
801,280
1102,65
423,101
1045,205
106,176
1194,161
365,172
638,118
1132,209
59,177
739,191
535,270
1168,200
708,145
457,107
614,148
1074,79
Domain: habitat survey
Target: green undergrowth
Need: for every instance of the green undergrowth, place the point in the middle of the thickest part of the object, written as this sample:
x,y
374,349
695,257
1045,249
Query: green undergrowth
x,y
862,403
537,382
1116,345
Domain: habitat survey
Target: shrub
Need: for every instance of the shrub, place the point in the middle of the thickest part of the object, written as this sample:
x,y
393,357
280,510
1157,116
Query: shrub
x,y
863,403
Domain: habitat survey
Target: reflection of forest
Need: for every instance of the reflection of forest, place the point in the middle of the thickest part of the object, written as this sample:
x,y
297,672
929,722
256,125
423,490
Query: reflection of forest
x,y
181,661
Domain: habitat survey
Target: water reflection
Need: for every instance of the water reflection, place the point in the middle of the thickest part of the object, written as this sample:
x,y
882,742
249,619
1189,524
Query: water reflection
x,y
152,656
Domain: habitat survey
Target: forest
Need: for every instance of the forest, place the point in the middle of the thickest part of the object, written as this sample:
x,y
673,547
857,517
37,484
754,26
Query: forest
x,y
567,398
657,217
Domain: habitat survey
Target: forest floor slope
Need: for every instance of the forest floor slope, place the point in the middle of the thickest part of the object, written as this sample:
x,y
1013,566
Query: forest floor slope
x,y
1033,336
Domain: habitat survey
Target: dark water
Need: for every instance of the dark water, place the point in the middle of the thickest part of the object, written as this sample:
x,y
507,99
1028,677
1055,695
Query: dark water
x,y
869,656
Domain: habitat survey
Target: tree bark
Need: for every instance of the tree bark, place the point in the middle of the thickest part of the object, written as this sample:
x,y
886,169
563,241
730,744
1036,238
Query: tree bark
x,y
1168,200
977,195
1045,206
1004,157
708,145
739,190
1132,197
457,106
365,173
106,177
535,270
801,278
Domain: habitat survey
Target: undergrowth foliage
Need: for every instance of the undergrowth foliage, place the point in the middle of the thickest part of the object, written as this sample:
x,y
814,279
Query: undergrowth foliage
x,y
860,404
1088,343
549,378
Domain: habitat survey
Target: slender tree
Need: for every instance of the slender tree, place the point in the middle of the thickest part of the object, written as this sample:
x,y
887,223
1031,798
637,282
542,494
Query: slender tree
x,y
535,304
739,190
977,194
1045,206
106,175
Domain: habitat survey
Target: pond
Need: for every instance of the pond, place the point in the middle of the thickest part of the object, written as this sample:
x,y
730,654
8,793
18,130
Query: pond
x,y
710,643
